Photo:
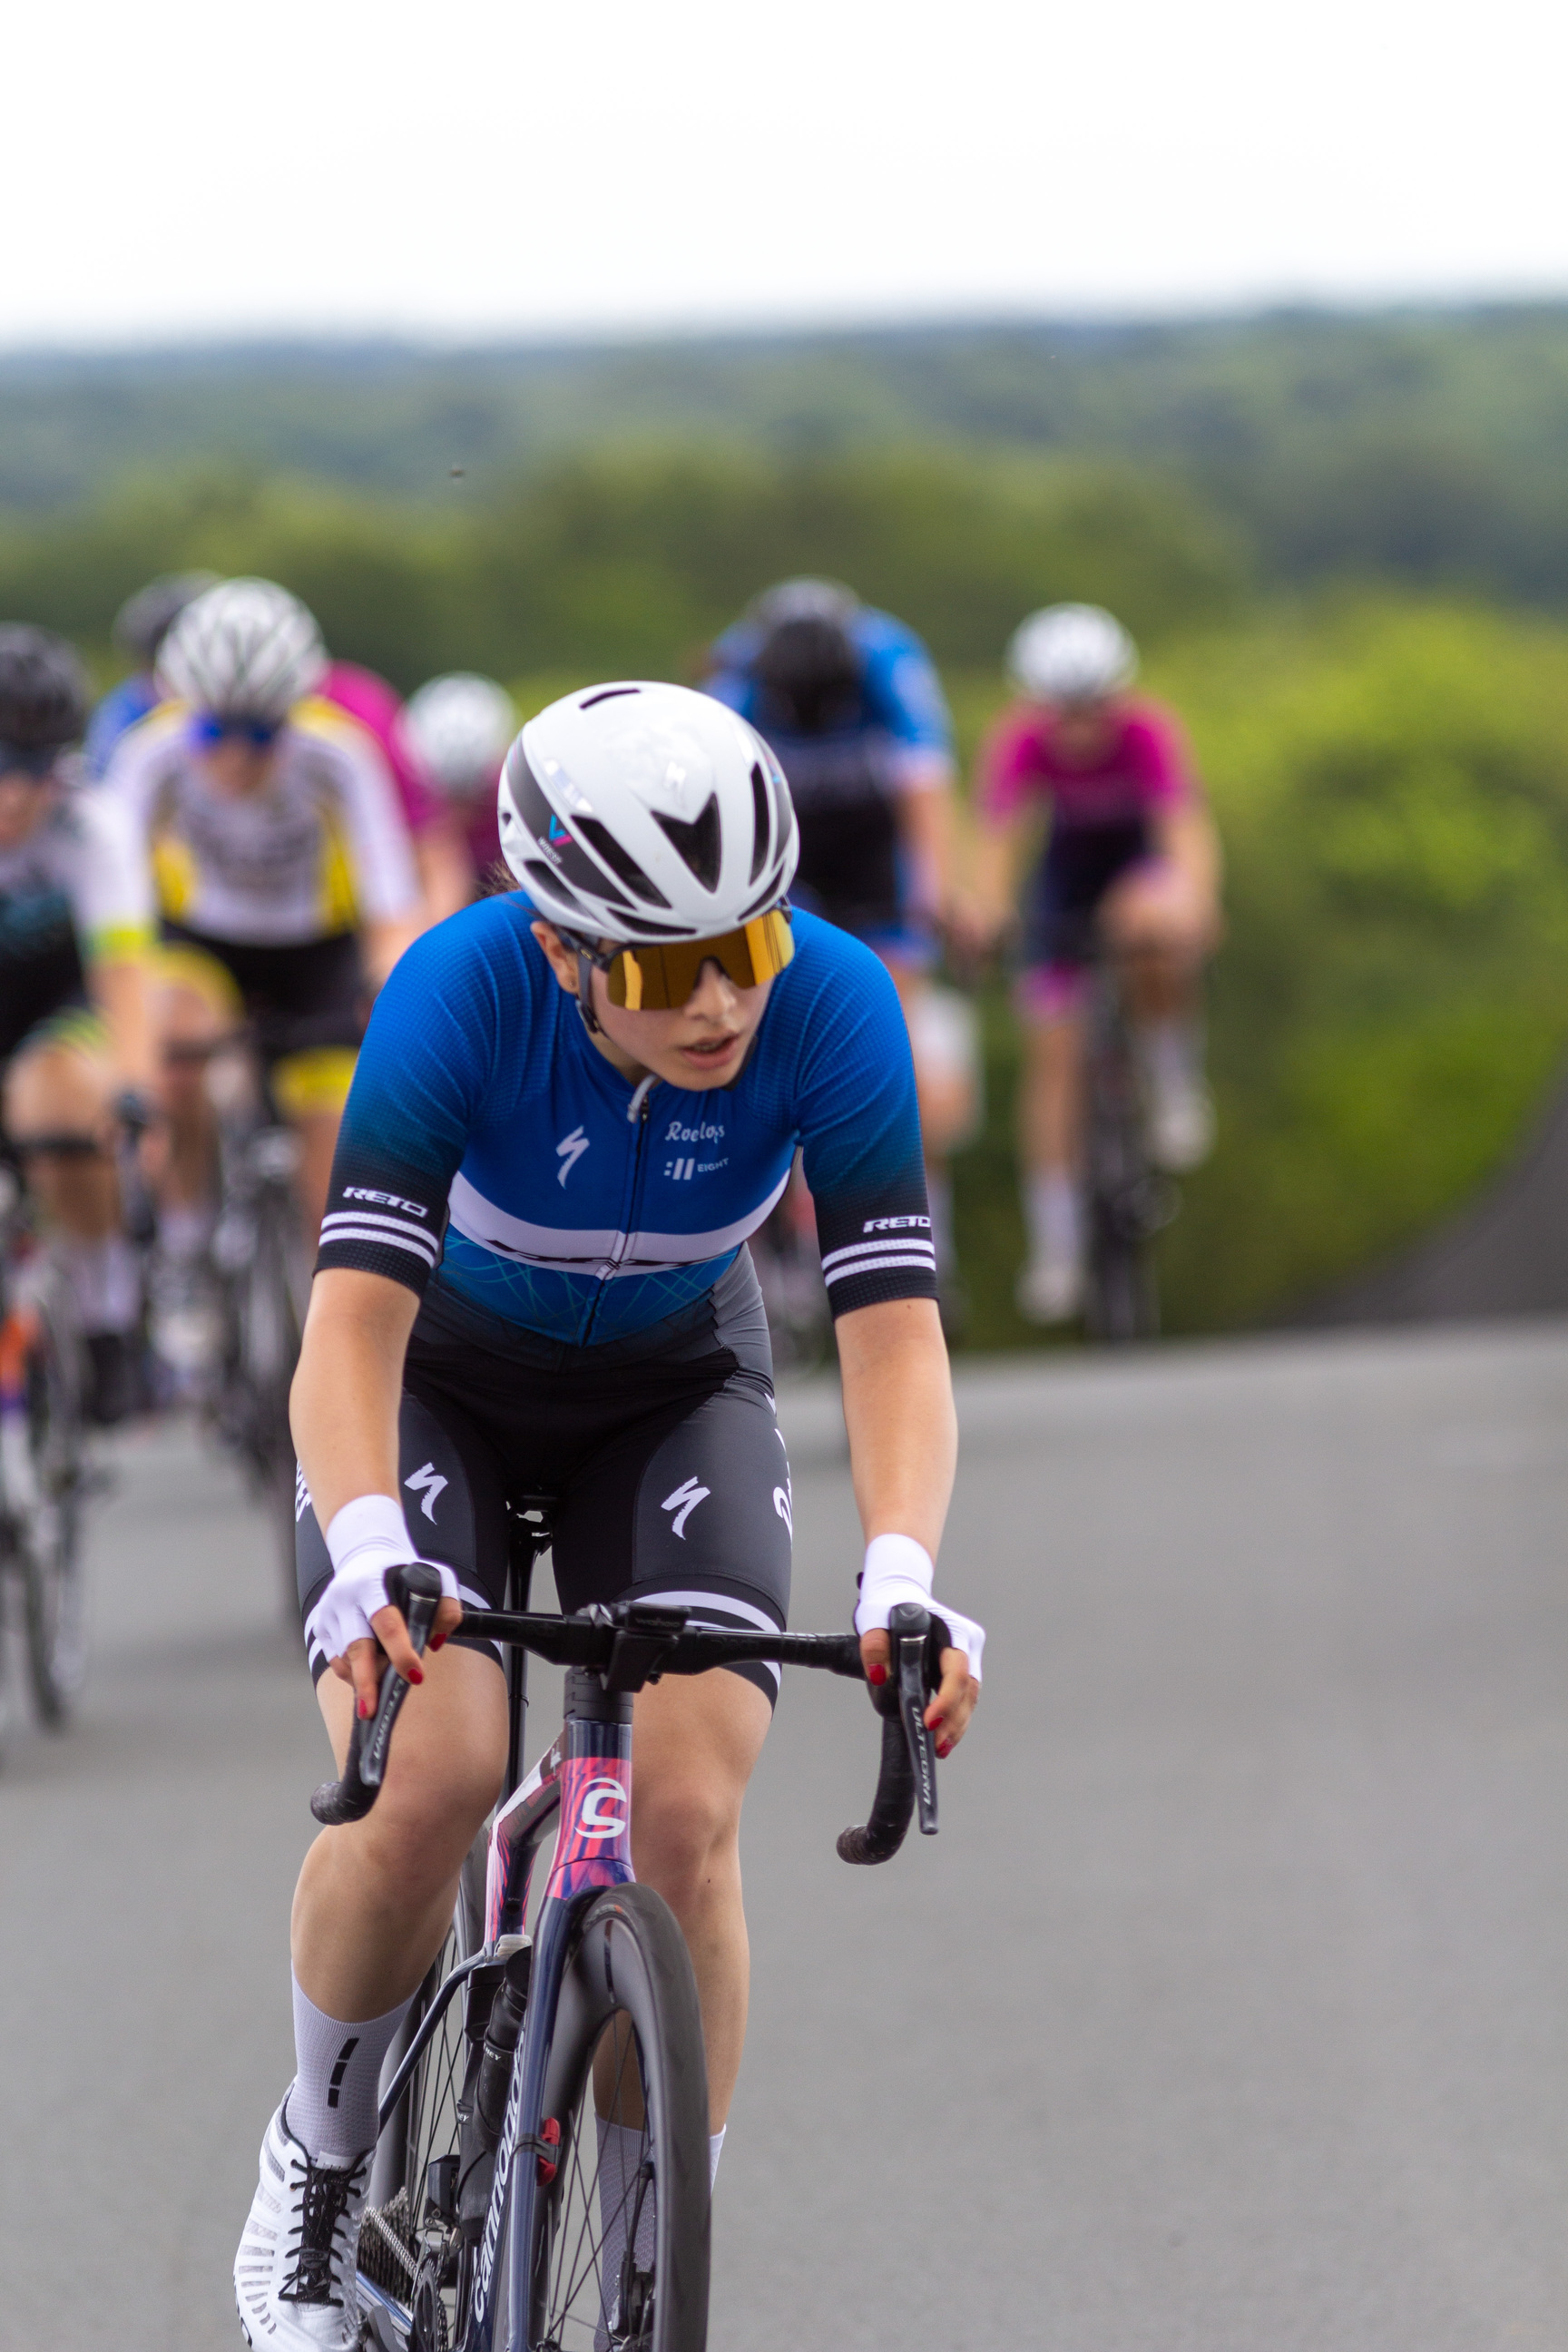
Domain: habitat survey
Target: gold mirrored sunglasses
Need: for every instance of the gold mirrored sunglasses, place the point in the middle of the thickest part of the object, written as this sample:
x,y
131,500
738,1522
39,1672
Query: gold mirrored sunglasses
x,y
660,979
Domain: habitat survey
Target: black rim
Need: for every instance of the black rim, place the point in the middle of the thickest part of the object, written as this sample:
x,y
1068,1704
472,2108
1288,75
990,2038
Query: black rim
x,y
57,1647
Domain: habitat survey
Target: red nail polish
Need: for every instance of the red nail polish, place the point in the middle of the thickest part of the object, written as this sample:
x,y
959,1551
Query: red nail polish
x,y
437,1640
876,1674
944,1747
416,1674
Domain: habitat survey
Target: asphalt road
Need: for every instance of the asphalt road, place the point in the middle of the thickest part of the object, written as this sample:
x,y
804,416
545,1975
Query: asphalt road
x,y
1229,2011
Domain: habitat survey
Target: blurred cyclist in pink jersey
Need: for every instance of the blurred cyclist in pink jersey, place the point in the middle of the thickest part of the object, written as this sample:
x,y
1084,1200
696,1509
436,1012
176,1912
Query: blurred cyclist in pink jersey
x,y
439,854
460,729
1131,858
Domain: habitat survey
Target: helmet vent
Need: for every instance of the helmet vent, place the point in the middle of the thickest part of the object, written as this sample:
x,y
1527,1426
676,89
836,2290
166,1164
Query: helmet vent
x,y
701,842
759,820
545,878
620,861
608,694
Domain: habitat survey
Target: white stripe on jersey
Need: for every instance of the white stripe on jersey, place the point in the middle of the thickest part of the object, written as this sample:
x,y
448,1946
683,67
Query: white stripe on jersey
x,y
831,1275
593,1250
360,1218
419,1246
870,1249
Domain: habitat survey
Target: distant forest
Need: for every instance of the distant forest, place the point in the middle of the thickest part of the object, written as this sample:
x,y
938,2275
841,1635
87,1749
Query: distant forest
x,y
1423,448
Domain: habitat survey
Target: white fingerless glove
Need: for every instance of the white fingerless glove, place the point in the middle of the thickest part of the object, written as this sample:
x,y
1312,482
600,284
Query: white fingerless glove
x,y
897,1569
364,1539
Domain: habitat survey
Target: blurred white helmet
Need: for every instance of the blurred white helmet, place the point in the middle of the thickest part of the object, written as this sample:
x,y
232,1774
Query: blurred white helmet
x,y
246,649
639,812
1071,652
460,729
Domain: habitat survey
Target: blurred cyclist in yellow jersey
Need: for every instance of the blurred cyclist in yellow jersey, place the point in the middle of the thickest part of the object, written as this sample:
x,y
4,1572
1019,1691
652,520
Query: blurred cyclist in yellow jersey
x,y
285,882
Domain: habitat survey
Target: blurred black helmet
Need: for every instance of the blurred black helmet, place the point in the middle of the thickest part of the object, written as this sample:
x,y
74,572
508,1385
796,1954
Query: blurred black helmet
x,y
145,620
807,666
43,692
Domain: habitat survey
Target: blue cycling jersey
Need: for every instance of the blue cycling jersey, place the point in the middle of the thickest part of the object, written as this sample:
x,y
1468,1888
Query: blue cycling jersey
x,y
901,696
119,709
489,1146
846,779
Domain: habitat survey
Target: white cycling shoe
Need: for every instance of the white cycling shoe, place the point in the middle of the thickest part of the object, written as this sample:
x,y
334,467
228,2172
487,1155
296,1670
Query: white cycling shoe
x,y
294,2277
1180,1123
1050,1289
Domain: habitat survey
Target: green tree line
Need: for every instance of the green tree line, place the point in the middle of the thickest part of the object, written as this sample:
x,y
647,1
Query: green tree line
x,y
629,562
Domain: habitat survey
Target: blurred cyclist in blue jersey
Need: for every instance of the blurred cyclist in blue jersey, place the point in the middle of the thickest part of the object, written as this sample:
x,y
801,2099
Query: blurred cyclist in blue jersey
x,y
850,701
141,625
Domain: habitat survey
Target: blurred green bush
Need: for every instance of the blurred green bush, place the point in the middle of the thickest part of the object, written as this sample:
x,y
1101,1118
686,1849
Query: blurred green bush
x,y
630,561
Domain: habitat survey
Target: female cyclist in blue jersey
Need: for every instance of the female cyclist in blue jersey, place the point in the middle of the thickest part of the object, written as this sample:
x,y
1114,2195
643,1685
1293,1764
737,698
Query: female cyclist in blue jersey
x,y
571,1109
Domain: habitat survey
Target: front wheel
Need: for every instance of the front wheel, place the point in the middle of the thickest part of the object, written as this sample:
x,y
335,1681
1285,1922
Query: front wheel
x,y
272,1301
619,2251
46,1483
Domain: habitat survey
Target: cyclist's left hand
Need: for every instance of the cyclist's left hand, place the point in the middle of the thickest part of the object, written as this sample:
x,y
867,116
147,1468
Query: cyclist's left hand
x,y
364,1662
958,1694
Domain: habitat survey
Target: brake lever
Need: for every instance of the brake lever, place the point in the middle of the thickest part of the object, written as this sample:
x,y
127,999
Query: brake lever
x,y
417,1593
911,1630
416,1590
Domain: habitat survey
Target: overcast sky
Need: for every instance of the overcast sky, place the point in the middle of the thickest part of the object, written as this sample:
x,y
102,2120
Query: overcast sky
x,y
478,167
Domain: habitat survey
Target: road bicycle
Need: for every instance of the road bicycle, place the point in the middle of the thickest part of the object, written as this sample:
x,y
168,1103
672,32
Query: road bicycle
x,y
43,1468
257,1273
1126,1199
46,1475
500,2216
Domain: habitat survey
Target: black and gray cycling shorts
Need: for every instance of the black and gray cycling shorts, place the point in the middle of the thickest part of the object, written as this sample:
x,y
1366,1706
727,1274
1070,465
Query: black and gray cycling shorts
x,y
668,1469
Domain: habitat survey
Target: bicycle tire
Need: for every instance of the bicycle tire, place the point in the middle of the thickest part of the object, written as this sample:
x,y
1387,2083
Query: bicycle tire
x,y
272,1304
1121,1295
629,1960
50,1533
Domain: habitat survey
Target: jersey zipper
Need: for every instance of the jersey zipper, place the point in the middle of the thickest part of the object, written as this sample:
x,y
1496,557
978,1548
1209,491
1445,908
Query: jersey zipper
x,y
638,1113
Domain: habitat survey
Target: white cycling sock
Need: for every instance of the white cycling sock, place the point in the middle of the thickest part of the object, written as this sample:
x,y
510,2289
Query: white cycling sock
x,y
106,1283
1053,1211
715,2149
336,2092
1172,1054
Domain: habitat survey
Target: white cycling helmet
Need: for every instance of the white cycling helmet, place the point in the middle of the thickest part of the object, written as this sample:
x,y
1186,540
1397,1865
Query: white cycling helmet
x,y
647,812
459,727
1071,652
246,649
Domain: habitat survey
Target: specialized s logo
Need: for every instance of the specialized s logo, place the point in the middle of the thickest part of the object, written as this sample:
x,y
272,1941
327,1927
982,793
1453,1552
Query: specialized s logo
x,y
569,1150
603,1812
683,1502
427,1484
